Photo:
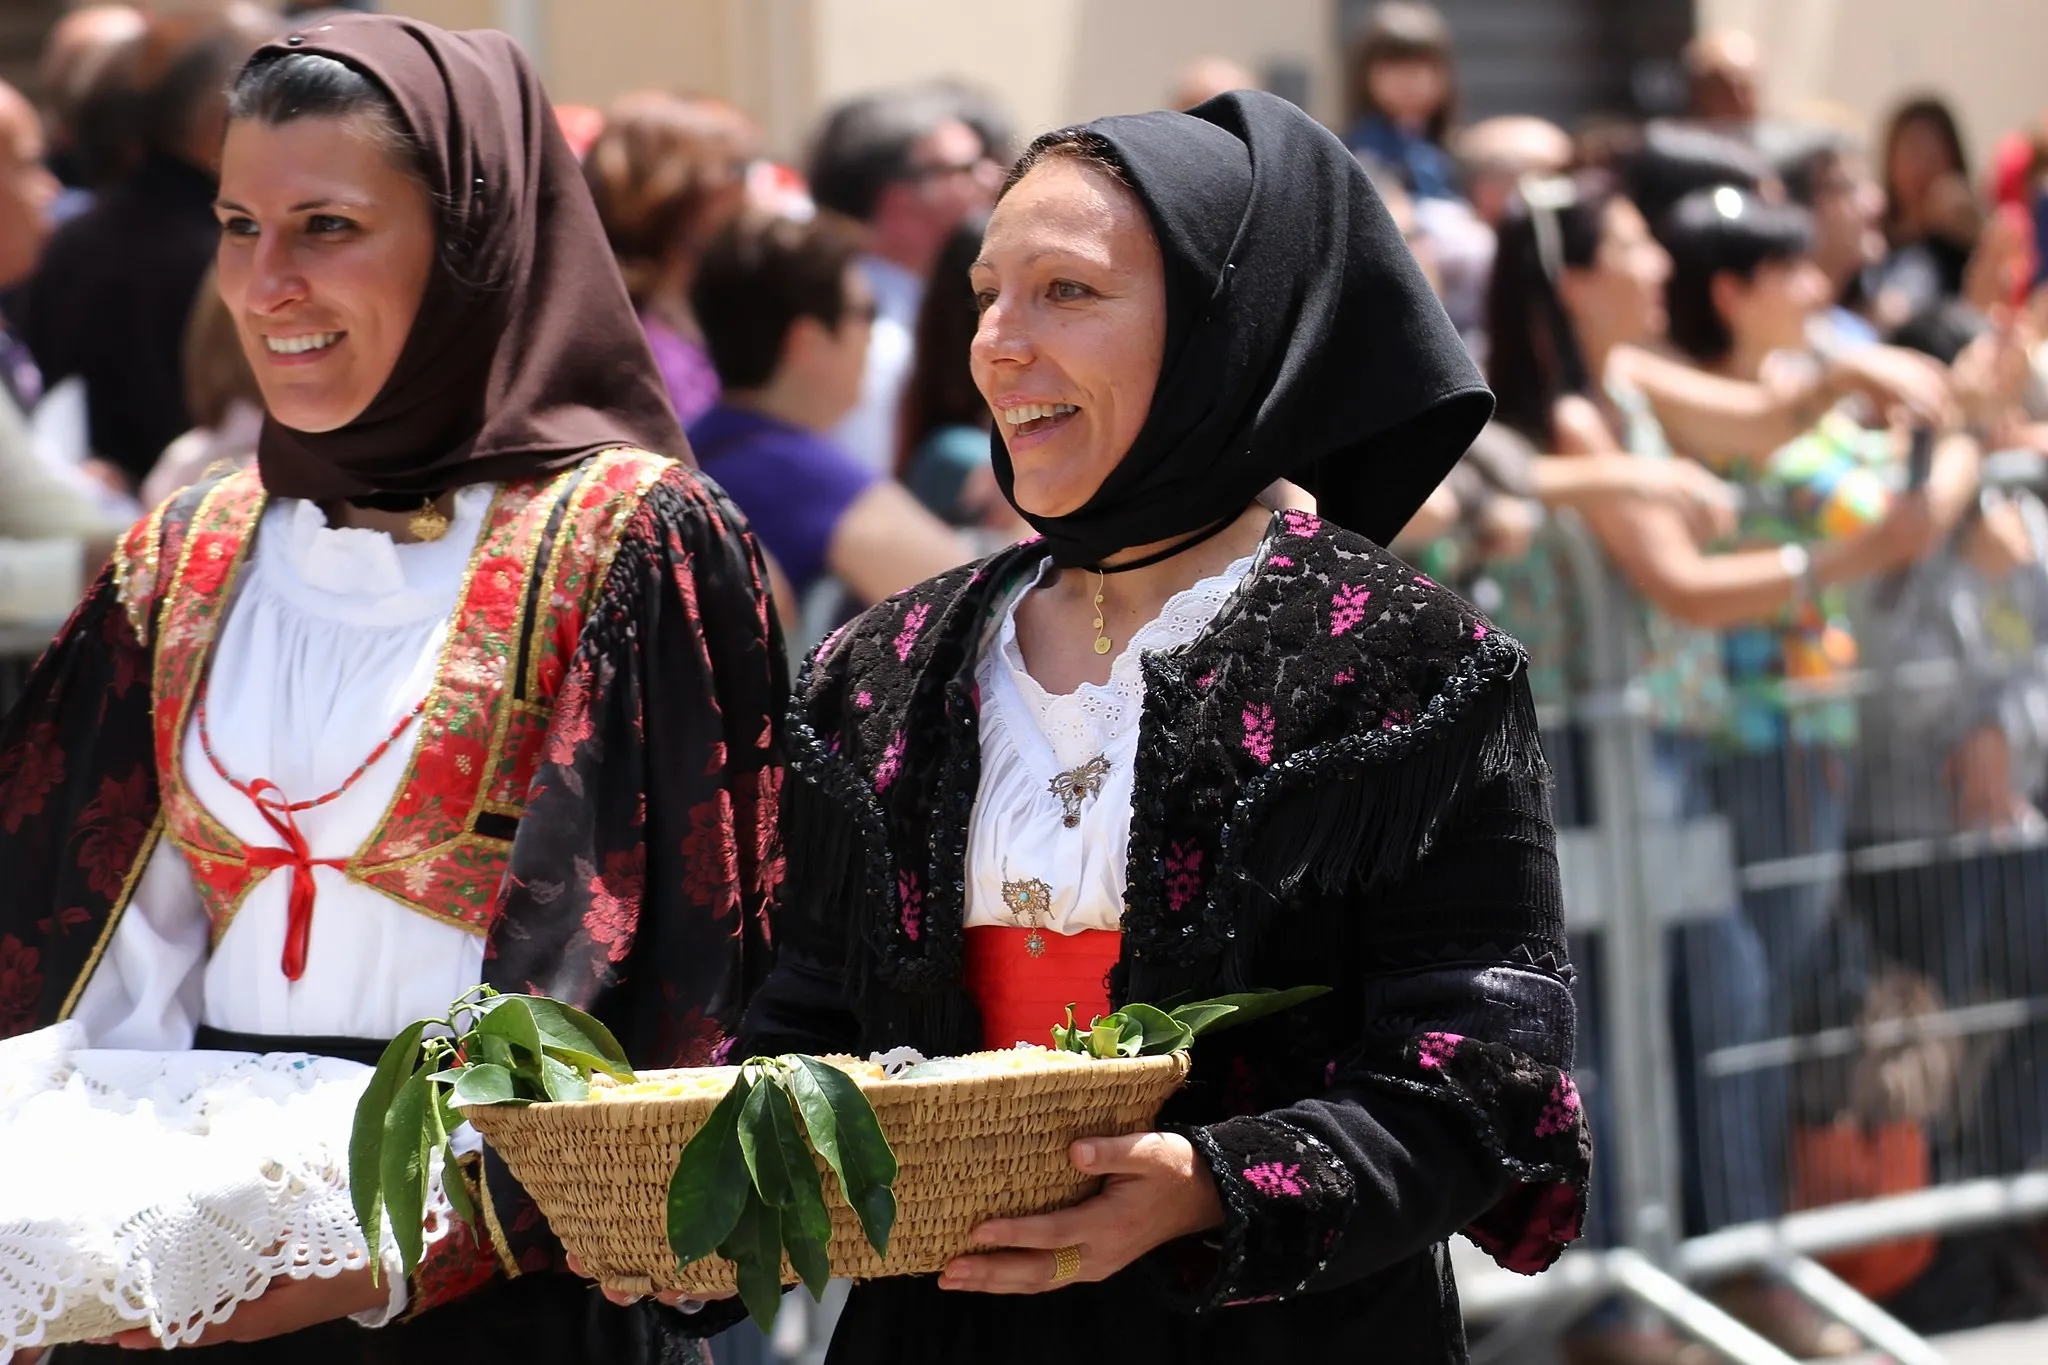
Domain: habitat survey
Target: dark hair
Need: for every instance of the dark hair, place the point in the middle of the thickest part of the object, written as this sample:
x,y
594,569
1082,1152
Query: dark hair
x,y
1722,231
940,391
1936,114
866,144
1799,156
1675,159
758,276
1404,31
1067,144
280,87
1533,356
658,168
181,69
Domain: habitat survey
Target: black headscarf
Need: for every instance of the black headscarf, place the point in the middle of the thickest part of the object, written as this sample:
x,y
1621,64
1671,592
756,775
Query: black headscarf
x,y
525,355
1302,340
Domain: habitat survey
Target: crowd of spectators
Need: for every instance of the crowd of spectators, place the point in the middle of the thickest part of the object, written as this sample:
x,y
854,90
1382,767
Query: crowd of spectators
x,y
1764,367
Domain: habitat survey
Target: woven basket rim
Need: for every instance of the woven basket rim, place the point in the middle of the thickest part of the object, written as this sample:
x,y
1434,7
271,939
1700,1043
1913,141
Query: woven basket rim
x,y
883,1089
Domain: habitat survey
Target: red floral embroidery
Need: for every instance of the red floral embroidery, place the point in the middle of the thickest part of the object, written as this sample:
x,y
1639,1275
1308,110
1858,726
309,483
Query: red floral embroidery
x,y
711,859
685,1037
212,555
21,986
458,1264
28,772
614,911
571,724
1183,874
766,800
111,829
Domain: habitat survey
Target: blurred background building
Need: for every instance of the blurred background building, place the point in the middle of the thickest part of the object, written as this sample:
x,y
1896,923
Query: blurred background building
x,y
1057,61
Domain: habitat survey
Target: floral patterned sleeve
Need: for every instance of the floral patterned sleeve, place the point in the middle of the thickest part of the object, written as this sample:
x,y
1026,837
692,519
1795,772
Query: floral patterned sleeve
x,y
1452,1110
643,867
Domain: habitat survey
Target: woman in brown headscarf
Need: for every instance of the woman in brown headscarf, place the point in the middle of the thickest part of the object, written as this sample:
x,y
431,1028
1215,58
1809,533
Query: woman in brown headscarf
x,y
471,679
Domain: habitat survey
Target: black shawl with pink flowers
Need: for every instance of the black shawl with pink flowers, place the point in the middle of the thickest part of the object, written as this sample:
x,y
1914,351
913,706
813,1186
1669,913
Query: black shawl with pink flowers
x,y
1339,784
637,886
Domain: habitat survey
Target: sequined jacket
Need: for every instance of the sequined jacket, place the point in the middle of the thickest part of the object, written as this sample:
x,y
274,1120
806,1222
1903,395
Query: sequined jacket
x,y
1339,784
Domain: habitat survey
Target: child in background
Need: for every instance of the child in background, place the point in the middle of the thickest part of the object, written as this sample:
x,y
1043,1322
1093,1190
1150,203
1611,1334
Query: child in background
x,y
1404,96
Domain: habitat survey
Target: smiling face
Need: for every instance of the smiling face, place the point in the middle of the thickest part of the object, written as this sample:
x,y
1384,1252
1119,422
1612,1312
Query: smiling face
x,y
1769,310
1621,294
1072,290
327,243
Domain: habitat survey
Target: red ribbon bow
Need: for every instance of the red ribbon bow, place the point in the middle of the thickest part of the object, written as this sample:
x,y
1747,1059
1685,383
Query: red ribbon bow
x,y
298,856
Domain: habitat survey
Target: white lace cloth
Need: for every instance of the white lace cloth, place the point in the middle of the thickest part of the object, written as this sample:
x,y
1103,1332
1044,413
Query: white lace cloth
x,y
1029,735
164,1189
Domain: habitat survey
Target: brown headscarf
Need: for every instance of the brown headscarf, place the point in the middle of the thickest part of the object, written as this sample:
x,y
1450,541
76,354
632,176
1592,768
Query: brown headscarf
x,y
526,356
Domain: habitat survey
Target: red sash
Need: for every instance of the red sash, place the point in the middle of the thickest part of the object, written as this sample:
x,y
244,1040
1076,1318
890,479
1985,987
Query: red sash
x,y
1023,996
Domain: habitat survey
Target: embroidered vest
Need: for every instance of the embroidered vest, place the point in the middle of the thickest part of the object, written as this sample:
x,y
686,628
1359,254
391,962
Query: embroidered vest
x,y
441,847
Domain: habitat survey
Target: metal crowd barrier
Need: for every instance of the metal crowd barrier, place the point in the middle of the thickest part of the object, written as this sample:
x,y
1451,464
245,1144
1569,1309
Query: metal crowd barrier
x,y
1816,1036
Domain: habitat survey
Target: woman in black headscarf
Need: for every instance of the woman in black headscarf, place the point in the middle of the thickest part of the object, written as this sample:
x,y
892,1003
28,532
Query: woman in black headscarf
x,y
1183,745
470,680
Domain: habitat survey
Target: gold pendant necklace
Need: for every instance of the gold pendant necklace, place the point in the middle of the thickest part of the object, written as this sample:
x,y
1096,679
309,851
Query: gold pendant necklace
x,y
429,523
1102,642
1030,905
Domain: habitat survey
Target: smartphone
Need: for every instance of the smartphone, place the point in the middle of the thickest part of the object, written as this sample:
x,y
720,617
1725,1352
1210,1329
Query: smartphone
x,y
1920,457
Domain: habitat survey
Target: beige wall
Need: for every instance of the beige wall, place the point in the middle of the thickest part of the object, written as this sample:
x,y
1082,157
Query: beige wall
x,y
1989,58
1051,61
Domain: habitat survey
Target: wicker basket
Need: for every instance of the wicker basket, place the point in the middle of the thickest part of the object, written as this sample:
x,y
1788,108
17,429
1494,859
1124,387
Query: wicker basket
x,y
969,1149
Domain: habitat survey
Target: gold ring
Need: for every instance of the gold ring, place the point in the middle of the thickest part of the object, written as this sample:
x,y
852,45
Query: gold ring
x,y
1066,1264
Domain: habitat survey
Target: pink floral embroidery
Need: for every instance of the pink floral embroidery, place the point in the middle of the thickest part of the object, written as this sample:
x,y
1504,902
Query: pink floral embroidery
x,y
1479,631
1424,580
891,764
912,897
1561,1115
1274,1180
1347,608
913,622
1183,874
1437,1049
864,699
1258,732
1280,561
1343,676
1299,523
1206,680
1394,718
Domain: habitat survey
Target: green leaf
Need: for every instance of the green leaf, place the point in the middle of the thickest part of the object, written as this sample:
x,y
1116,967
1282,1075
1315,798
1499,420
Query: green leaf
x,y
1070,1037
451,1169
494,1050
772,1176
806,1204
1251,1006
456,1186
565,1084
860,1156
512,1020
366,1139
711,1185
810,1256
574,1036
876,1208
1202,1016
484,1083
755,1249
1155,1032
449,1076
1106,1035
408,1136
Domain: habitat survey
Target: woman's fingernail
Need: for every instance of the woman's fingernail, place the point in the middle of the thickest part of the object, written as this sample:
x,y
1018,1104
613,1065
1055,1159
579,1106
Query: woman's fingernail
x,y
1084,1154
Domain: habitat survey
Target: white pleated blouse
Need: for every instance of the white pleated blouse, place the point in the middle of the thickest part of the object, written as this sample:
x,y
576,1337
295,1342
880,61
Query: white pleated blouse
x,y
1030,736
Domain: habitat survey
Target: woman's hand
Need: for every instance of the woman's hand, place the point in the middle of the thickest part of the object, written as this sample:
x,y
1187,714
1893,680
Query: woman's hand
x,y
674,1298
286,1306
1155,1190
